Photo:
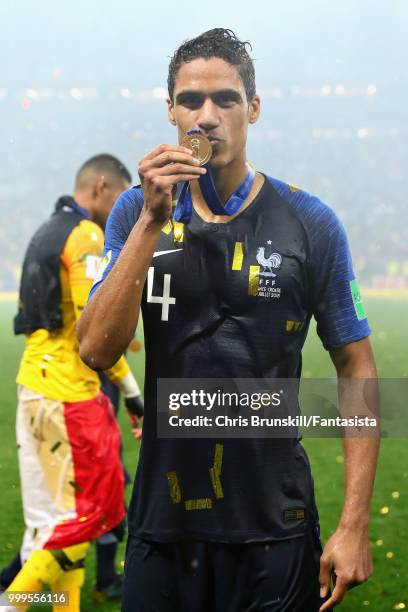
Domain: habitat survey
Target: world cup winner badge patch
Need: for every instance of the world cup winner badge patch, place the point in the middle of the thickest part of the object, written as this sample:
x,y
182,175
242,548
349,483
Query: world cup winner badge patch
x,y
357,301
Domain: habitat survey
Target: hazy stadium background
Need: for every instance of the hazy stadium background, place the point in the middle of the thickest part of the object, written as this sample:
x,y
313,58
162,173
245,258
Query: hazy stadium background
x,y
81,78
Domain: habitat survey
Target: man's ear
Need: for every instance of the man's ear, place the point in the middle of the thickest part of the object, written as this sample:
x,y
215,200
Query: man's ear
x,y
100,186
170,112
254,109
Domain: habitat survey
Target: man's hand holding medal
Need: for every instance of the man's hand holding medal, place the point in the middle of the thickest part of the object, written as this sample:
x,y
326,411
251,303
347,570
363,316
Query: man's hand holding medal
x,y
164,167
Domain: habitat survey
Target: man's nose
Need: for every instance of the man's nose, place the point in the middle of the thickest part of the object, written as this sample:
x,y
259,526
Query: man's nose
x,y
208,116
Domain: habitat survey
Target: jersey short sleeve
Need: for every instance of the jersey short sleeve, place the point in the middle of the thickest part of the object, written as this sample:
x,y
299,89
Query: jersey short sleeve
x,y
337,305
120,222
335,297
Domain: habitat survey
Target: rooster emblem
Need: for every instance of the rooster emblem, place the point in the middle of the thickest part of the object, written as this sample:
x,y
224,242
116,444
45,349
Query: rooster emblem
x,y
273,261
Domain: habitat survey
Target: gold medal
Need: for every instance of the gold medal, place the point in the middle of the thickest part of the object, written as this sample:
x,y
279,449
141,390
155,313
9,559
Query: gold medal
x,y
200,146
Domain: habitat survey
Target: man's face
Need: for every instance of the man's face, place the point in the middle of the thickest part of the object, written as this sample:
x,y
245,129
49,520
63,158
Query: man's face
x,y
210,95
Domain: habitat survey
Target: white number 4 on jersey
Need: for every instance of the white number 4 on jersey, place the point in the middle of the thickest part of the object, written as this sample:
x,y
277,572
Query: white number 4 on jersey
x,y
165,300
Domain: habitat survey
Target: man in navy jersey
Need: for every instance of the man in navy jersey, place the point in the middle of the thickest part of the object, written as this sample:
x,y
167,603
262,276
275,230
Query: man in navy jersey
x,y
232,542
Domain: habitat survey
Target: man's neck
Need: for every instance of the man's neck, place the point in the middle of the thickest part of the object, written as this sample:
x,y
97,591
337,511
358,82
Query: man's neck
x,y
83,202
228,178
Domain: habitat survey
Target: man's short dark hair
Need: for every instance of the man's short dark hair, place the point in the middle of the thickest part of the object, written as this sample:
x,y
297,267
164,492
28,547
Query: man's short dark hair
x,y
221,43
105,163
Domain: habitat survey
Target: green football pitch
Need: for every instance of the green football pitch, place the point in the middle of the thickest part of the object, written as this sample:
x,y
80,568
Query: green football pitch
x,y
387,589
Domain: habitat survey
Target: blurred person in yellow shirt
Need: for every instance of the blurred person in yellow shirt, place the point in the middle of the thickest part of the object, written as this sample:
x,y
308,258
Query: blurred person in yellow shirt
x,y
68,440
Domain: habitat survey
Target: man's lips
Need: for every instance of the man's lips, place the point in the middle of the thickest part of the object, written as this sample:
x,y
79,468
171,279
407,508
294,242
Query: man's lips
x,y
214,140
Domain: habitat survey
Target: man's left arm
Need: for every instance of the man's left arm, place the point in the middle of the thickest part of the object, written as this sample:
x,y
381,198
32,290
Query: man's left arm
x,y
347,554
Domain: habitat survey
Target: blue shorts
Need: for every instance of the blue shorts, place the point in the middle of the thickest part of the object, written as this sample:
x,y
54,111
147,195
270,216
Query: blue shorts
x,y
196,576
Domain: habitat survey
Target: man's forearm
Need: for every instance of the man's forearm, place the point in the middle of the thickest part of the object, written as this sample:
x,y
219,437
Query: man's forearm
x,y
360,456
358,395
109,321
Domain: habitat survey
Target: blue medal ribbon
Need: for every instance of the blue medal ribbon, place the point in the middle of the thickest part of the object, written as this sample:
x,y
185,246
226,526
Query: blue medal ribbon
x,y
184,207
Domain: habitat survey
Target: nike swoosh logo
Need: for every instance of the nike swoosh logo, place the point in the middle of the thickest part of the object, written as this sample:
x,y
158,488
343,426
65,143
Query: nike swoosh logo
x,y
158,253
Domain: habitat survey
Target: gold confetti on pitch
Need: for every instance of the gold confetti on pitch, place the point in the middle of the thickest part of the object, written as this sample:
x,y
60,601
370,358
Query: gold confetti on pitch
x,y
395,494
366,602
340,459
379,542
389,555
399,606
384,510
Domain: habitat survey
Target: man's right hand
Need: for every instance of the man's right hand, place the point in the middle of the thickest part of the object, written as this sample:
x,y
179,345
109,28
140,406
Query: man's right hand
x,y
159,171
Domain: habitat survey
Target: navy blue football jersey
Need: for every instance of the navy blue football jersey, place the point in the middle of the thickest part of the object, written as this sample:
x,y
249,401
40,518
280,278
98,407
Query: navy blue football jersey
x,y
234,300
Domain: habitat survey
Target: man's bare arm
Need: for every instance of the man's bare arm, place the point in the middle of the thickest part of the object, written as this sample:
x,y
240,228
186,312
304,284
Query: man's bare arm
x,y
347,554
109,321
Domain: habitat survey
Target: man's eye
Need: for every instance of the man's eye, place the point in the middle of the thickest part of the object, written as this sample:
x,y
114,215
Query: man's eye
x,y
224,100
191,102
